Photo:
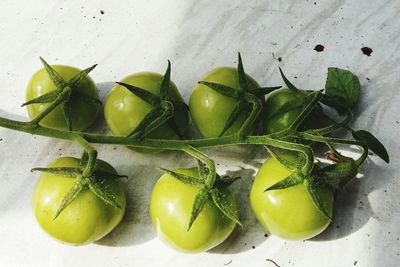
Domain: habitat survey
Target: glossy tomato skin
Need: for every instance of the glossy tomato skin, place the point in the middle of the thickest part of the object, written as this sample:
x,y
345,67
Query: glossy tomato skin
x,y
87,218
124,111
209,109
288,213
83,113
171,206
277,122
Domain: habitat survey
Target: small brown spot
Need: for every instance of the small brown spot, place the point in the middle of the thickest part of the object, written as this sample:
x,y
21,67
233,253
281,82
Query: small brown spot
x,y
102,12
319,48
253,247
280,59
355,263
367,51
368,79
265,235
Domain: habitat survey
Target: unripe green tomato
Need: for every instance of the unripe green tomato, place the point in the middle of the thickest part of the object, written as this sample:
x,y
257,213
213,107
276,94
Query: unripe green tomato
x,y
124,111
83,112
87,218
210,110
171,207
288,213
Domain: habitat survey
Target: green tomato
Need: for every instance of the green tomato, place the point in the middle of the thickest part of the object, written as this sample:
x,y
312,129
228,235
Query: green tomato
x,y
288,213
210,110
83,112
124,111
275,121
171,207
87,218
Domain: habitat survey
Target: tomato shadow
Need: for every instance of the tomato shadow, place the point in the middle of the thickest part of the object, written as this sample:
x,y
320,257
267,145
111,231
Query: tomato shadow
x,y
352,206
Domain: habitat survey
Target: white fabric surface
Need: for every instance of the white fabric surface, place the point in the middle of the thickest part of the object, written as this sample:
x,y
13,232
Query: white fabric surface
x,y
197,36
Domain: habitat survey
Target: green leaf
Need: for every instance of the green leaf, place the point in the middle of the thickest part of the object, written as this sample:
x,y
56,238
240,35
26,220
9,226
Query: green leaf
x,y
183,178
287,82
290,181
221,200
46,98
224,181
142,94
241,74
74,82
102,191
76,188
147,120
66,109
313,193
223,89
198,204
65,171
164,90
264,90
372,143
343,85
236,111
57,80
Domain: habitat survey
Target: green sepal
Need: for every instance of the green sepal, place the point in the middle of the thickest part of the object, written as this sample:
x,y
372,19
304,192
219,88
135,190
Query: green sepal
x,y
241,74
46,98
104,175
223,89
183,178
179,105
336,175
66,110
287,163
142,94
174,127
261,91
65,171
224,181
372,143
203,170
57,80
150,117
101,190
164,89
84,159
221,202
313,193
288,106
287,82
74,82
87,98
73,192
289,181
198,205
236,111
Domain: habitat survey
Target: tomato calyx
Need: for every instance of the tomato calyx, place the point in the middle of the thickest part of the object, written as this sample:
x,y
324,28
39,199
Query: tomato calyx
x,y
248,99
93,182
62,95
162,111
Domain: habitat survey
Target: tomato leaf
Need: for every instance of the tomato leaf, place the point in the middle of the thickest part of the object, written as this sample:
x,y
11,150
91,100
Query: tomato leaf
x,y
65,171
236,111
198,204
76,188
224,181
261,91
287,82
142,94
372,143
101,190
46,98
74,81
54,76
184,178
164,90
241,74
291,180
313,193
223,204
343,85
150,117
223,89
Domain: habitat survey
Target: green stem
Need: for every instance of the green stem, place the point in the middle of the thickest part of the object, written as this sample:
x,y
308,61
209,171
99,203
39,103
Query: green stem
x,y
211,175
92,154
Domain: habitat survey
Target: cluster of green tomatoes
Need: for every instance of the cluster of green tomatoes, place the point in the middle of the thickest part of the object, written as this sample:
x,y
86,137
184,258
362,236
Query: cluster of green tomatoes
x,y
79,201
